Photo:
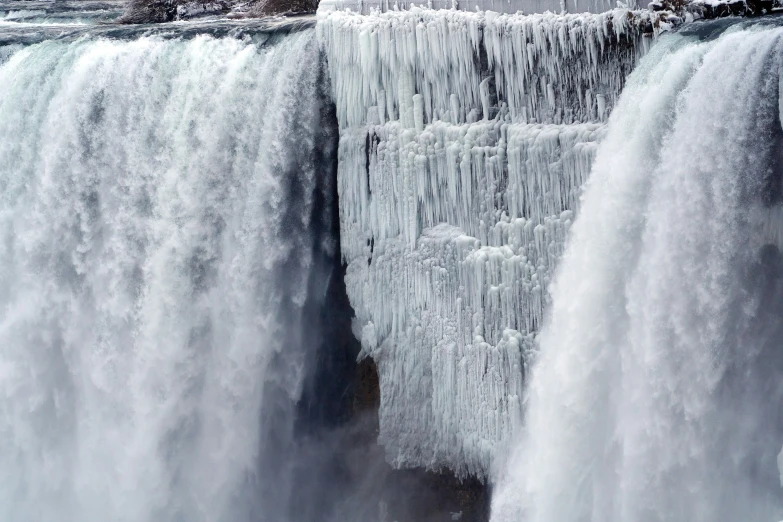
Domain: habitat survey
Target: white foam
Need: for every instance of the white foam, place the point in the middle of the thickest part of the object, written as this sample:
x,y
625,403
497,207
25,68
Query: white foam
x,y
155,255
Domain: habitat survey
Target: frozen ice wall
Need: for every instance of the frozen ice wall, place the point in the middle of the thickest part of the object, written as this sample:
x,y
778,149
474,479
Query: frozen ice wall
x,y
547,68
501,6
465,139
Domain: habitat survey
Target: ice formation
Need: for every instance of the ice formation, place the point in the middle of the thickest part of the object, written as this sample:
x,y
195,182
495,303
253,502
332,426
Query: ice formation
x,y
501,6
546,68
465,139
157,251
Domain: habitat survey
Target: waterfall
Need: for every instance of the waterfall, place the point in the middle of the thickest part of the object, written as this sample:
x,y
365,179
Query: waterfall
x,y
163,204
656,395
566,276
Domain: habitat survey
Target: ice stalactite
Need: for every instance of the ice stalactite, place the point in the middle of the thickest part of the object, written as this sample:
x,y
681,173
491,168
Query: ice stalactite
x,y
451,249
546,68
461,160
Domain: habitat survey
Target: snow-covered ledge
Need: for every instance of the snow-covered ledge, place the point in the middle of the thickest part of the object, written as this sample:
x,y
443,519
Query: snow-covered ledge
x,y
498,6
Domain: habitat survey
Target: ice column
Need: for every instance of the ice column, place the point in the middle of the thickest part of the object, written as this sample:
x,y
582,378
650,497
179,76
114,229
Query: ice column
x,y
456,195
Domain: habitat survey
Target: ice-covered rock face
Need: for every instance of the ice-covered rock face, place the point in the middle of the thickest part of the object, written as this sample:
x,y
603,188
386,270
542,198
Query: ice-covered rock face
x,y
547,67
464,141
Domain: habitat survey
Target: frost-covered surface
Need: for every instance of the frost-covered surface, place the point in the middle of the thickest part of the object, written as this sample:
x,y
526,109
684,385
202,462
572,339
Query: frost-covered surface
x,y
151,11
465,140
546,67
451,239
500,6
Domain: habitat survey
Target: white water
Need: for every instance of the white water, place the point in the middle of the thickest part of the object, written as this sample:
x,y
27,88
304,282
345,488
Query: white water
x,y
156,223
657,393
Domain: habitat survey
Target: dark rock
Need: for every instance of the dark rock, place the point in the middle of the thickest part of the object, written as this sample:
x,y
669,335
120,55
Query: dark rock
x,y
732,8
157,11
258,8
148,11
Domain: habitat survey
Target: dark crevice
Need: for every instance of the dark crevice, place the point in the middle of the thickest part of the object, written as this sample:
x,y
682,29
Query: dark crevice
x,y
340,472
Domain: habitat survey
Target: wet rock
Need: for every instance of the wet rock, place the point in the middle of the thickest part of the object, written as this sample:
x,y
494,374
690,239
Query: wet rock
x,y
260,8
157,11
720,9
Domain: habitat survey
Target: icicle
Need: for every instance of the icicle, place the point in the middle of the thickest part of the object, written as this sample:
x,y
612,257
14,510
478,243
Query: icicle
x,y
455,109
418,112
589,104
550,95
437,48
405,89
484,90
601,106
382,107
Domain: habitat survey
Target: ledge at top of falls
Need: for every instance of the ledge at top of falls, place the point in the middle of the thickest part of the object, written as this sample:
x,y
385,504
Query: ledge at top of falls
x,y
159,11
500,6
152,11
144,11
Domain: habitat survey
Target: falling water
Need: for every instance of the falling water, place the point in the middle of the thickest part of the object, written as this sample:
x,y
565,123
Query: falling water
x,y
160,209
657,392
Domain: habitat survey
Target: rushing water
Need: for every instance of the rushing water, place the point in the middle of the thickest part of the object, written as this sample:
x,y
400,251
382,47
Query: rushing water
x,y
166,245
163,204
658,389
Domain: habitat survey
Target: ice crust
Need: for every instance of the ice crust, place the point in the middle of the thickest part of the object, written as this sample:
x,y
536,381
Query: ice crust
x,y
465,139
547,68
450,247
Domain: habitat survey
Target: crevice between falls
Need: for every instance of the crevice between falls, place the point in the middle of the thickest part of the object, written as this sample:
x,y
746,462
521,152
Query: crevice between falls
x,y
340,471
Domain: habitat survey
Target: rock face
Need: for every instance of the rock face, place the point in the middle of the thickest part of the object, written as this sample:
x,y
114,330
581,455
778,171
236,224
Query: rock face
x,y
342,470
723,8
277,7
413,494
156,11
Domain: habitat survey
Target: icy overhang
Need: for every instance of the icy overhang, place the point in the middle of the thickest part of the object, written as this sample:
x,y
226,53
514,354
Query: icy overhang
x,y
500,6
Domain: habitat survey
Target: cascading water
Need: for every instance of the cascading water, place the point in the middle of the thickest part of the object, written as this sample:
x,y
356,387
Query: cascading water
x,y
168,240
657,392
162,213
